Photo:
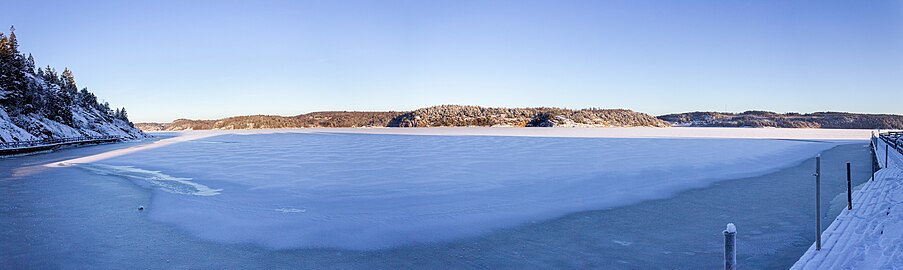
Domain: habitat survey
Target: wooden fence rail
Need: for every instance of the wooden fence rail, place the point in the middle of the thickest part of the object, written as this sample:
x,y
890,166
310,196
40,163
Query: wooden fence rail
x,y
55,141
893,139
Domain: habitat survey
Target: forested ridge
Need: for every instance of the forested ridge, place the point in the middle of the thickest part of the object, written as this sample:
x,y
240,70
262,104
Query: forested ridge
x,y
840,120
436,116
41,103
462,116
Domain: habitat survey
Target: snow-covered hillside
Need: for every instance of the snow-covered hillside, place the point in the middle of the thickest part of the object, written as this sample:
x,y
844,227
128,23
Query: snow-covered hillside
x,y
86,123
38,103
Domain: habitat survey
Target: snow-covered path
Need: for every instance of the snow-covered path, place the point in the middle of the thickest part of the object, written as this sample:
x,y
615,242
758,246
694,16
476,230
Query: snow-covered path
x,y
871,235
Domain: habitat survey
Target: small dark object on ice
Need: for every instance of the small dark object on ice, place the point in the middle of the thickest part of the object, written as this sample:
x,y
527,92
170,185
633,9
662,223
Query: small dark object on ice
x,y
140,208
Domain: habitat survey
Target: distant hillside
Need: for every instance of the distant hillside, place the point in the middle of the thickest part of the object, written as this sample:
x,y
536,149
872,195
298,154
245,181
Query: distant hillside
x,y
39,103
315,119
458,116
462,116
840,120
445,115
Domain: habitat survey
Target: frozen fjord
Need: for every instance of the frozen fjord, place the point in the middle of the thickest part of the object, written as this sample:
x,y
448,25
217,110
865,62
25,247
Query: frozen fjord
x,y
78,217
364,192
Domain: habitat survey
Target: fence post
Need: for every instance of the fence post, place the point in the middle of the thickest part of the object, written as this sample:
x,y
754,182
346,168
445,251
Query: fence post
x,y
874,158
730,247
885,154
818,202
849,189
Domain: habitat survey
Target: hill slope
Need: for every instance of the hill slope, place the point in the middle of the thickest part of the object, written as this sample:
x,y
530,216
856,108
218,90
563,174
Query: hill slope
x,y
445,115
840,120
457,116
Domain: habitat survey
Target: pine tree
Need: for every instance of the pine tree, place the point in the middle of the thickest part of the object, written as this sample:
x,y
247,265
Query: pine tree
x,y
4,94
12,74
68,80
50,76
123,115
86,98
106,109
29,63
13,42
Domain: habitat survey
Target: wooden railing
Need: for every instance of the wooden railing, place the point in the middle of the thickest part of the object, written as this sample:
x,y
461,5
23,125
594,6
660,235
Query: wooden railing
x,y
56,141
893,139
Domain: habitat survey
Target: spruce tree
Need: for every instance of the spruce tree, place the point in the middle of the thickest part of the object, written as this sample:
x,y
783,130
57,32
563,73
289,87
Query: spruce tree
x,y
68,80
123,115
12,75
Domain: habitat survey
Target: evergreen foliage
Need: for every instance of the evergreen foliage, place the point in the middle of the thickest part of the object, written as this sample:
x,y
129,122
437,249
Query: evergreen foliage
x,y
842,120
25,89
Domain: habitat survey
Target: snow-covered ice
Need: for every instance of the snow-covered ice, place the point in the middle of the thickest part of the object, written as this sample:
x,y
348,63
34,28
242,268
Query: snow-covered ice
x,y
157,180
479,198
369,191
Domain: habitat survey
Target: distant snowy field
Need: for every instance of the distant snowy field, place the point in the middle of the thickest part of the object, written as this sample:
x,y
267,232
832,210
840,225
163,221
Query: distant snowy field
x,y
373,188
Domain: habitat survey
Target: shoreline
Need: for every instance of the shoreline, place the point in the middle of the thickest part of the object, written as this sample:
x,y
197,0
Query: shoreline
x,y
614,132
868,236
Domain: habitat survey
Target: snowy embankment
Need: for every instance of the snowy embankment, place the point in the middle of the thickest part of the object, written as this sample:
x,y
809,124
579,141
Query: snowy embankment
x,y
871,235
328,188
86,123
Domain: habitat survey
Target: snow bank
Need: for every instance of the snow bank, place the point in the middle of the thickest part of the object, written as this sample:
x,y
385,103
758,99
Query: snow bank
x,y
871,235
368,191
115,153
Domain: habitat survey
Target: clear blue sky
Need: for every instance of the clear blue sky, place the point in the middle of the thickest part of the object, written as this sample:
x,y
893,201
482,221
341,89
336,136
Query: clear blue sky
x,y
208,59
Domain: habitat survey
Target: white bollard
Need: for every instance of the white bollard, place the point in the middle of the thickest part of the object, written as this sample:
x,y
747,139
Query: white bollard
x,y
730,247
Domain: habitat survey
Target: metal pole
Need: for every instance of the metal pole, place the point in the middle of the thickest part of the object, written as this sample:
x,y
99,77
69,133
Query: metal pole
x,y
849,189
818,202
885,154
873,158
730,247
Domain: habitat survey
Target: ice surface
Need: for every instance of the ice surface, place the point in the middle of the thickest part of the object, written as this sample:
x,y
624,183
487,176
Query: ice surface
x,y
64,216
177,185
358,191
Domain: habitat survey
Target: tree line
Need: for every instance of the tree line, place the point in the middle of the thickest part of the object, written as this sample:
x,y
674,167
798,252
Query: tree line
x,y
26,89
